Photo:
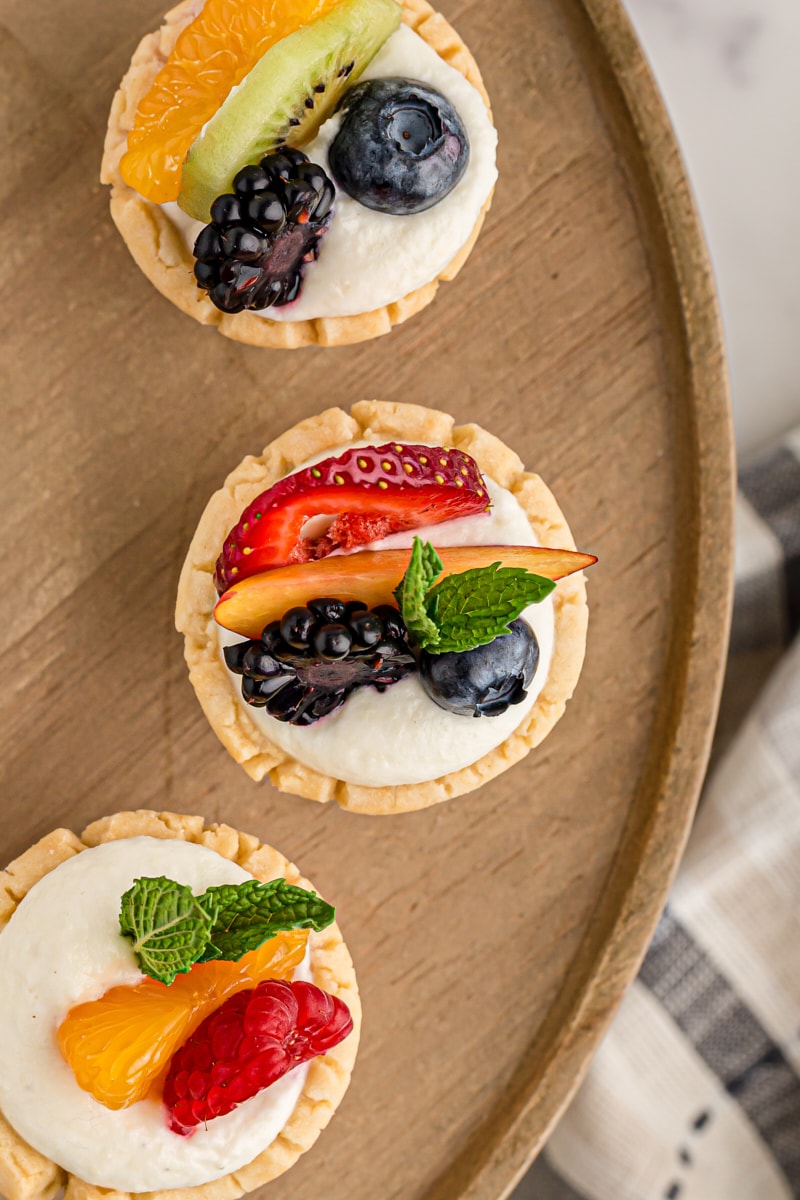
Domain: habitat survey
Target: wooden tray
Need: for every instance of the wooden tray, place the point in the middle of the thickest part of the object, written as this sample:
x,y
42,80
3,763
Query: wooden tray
x,y
495,935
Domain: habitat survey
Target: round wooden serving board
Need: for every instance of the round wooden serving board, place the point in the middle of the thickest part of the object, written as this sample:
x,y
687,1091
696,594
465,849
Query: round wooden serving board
x,y
493,935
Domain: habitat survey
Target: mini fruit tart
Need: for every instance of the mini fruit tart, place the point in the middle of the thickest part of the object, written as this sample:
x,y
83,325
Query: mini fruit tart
x,y
370,609
301,173
180,1015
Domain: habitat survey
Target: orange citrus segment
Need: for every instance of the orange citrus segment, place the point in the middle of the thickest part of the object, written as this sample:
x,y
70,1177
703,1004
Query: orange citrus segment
x,y
118,1045
211,56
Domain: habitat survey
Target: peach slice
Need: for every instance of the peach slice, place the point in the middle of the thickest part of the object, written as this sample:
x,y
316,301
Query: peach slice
x,y
370,576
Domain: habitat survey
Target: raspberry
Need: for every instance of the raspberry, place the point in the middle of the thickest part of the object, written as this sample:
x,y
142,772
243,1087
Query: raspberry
x,y
249,1042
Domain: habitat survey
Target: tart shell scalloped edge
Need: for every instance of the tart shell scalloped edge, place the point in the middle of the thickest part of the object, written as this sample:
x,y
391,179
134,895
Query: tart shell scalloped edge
x,y
376,421
25,1174
160,253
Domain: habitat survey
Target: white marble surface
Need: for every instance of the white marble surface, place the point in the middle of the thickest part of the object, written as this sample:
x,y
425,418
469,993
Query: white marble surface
x,y
730,73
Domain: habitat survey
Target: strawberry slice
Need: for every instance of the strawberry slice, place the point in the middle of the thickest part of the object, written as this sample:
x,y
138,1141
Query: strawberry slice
x,y
369,492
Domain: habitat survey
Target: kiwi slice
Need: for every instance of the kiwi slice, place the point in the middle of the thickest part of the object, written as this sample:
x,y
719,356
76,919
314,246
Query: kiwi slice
x,y
285,98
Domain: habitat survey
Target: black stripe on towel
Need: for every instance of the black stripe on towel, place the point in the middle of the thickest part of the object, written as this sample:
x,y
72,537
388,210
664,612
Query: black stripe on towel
x,y
729,1039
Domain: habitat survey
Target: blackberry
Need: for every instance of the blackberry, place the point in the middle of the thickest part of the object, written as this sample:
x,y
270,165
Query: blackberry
x,y
252,255
305,666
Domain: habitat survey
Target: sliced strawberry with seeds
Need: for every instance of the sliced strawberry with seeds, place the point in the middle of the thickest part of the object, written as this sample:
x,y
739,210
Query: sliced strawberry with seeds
x,y
369,492
249,1042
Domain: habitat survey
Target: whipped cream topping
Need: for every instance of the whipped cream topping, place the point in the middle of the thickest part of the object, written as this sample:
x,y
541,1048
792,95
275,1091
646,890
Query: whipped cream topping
x,y
370,259
401,736
62,947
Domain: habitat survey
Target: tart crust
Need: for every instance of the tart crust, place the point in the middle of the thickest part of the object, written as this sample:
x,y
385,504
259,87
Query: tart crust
x,y
371,420
25,1174
161,254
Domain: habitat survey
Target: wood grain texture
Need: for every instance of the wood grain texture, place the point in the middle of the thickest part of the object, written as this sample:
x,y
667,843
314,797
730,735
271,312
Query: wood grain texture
x,y
493,936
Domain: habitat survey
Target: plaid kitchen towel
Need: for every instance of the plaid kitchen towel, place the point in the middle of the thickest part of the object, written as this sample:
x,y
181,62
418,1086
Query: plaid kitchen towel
x,y
695,1092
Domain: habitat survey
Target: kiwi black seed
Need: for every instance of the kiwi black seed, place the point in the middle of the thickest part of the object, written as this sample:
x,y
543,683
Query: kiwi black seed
x,y
285,98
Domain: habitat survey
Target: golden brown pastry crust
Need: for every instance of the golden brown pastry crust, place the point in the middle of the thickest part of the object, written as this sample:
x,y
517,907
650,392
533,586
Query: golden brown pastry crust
x,y
161,254
25,1174
239,732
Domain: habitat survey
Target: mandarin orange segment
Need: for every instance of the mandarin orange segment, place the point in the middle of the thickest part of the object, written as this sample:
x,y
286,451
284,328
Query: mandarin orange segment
x,y
118,1045
212,55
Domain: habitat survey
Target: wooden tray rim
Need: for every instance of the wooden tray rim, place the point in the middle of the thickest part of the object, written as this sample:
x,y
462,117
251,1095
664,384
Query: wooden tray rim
x,y
501,1150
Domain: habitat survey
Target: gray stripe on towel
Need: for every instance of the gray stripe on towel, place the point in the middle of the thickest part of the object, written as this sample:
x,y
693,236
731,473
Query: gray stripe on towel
x,y
544,1183
728,1038
772,485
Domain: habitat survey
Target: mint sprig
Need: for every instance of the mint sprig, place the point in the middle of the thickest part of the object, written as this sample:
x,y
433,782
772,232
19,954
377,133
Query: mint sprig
x,y
467,609
171,929
477,606
168,926
250,913
411,593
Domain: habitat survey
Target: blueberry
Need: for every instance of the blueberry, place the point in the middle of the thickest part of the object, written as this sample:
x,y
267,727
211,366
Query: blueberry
x,y
401,146
483,682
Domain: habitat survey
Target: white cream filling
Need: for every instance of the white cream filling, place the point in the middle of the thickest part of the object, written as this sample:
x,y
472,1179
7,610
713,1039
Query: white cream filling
x,y
401,736
62,947
370,259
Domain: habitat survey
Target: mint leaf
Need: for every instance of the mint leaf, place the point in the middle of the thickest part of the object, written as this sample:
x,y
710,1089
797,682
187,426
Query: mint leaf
x,y
168,925
172,929
411,593
465,610
250,913
477,606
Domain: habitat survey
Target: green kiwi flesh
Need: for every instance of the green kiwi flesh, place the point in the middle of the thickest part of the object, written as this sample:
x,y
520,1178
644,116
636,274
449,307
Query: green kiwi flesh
x,y
286,96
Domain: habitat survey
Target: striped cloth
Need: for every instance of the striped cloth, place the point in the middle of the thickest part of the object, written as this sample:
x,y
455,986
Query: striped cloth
x,y
695,1092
